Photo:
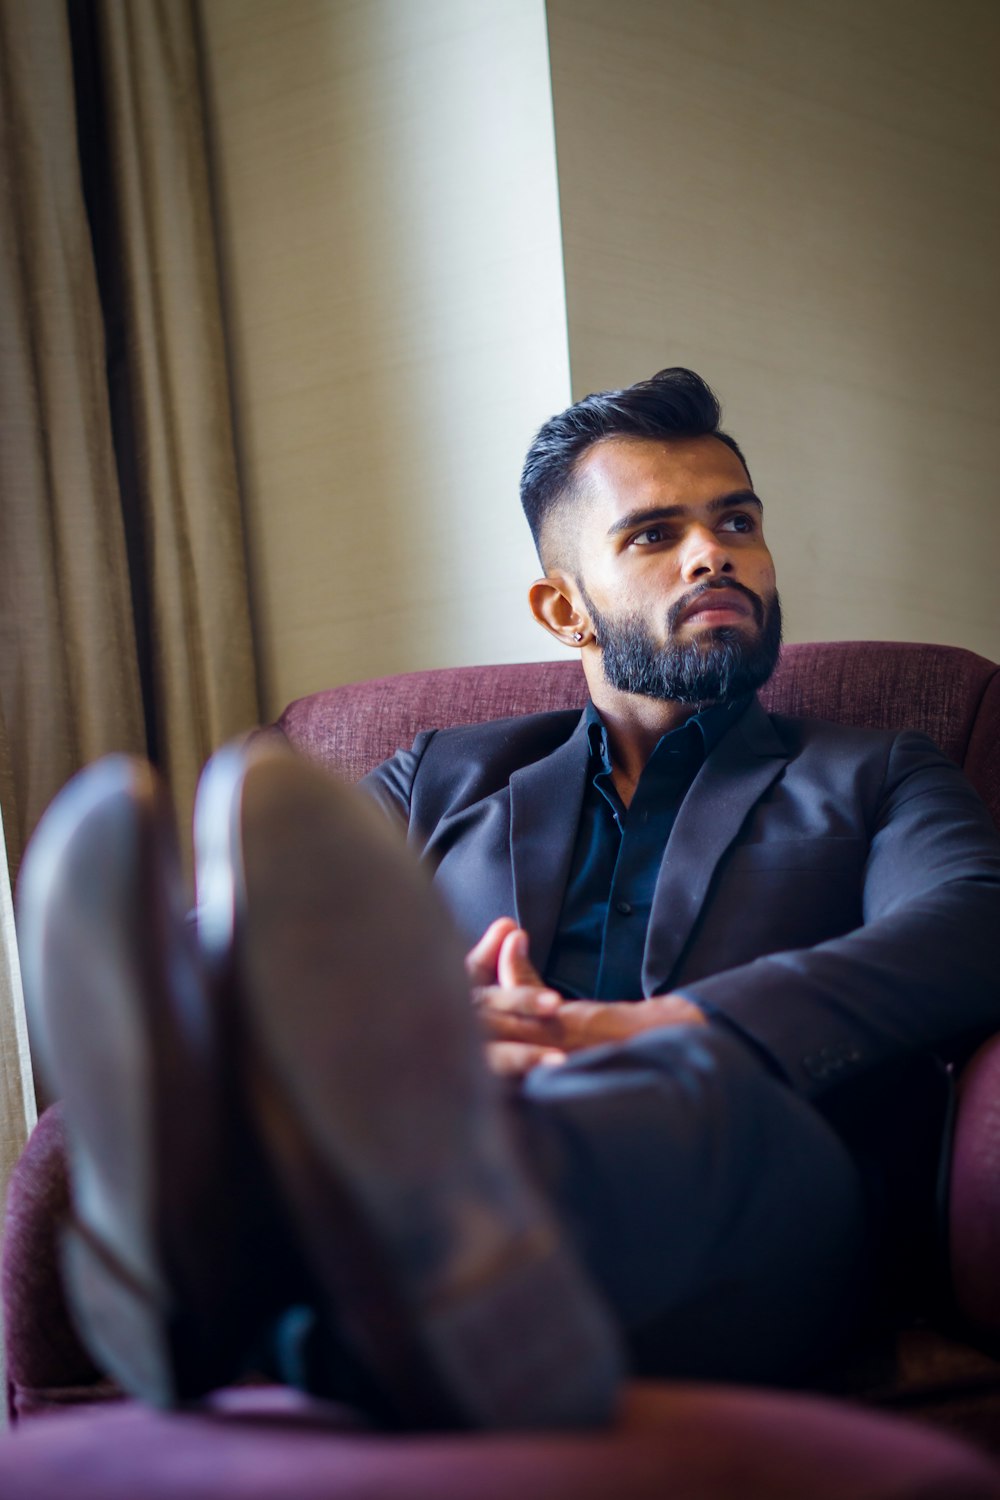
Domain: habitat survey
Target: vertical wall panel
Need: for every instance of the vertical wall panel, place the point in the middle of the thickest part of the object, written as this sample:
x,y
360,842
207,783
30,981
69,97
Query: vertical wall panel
x,y
801,199
390,220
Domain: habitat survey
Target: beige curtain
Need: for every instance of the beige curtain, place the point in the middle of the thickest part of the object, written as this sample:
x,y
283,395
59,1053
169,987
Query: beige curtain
x,y
69,675
124,619
17,1096
69,684
202,673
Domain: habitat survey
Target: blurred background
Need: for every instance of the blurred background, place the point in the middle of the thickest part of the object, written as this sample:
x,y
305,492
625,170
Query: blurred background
x,y
444,219
289,285
286,286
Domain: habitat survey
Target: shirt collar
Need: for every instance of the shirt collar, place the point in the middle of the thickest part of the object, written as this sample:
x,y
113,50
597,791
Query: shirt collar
x,y
702,732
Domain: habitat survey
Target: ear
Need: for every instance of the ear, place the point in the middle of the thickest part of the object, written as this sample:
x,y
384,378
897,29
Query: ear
x,y
554,605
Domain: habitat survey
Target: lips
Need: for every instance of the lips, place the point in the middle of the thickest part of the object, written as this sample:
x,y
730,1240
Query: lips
x,y
718,604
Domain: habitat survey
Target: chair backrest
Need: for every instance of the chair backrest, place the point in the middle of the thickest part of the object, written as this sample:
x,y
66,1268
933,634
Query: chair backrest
x,y
949,693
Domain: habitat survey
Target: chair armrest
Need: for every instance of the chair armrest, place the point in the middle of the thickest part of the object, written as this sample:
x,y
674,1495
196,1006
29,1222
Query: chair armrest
x,y
47,1365
974,1200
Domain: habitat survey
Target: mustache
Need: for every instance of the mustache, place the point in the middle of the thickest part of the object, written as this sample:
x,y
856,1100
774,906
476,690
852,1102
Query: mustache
x,y
677,609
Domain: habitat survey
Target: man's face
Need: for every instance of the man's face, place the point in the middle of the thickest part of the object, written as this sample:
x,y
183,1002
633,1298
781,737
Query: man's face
x,y
673,569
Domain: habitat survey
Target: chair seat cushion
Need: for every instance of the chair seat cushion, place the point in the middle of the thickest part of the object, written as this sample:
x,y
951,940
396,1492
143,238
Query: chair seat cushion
x,y
974,1208
670,1440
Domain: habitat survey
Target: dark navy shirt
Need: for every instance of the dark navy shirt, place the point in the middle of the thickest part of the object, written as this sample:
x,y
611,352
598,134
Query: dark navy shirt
x,y
601,935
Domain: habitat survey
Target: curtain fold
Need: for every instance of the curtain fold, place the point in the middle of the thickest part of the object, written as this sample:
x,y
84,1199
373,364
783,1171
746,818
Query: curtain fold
x,y
124,612
69,683
17,1096
182,477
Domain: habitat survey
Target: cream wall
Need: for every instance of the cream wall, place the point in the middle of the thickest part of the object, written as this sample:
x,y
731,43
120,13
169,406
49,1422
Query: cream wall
x,y
801,199
392,262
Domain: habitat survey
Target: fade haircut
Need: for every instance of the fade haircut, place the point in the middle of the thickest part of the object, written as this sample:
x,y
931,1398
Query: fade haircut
x,y
675,403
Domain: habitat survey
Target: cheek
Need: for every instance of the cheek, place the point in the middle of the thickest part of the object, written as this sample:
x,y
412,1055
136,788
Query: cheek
x,y
641,586
659,570
762,573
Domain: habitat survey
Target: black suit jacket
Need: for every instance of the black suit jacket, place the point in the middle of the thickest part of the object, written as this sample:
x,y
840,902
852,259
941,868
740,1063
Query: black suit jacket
x,y
831,892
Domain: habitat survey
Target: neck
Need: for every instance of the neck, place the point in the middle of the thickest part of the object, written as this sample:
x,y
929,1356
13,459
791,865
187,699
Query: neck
x,y
635,726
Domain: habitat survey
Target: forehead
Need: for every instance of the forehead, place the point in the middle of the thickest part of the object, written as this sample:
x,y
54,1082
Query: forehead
x,y
618,475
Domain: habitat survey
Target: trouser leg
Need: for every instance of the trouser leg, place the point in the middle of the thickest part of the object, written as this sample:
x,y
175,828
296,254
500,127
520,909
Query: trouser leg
x,y
719,1213
721,1217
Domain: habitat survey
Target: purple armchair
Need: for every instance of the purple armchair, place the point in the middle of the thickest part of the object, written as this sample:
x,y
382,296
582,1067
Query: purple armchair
x,y
671,1438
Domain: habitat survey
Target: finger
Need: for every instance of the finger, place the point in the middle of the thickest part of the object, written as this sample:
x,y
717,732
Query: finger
x,y
513,1060
540,1031
588,1023
521,1000
481,961
594,1023
514,964
584,1024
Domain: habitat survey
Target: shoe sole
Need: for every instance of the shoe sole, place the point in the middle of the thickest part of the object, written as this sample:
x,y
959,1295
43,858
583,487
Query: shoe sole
x,y
435,1255
118,1014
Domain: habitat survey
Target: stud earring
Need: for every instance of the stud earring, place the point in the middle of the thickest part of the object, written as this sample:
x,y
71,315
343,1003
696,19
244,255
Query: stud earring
x,y
578,635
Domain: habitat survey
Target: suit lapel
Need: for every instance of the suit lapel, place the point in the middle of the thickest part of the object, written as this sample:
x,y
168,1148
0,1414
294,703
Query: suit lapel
x,y
541,844
734,777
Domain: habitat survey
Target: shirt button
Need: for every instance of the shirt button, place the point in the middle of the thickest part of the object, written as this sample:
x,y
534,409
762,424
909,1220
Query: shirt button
x,y
625,907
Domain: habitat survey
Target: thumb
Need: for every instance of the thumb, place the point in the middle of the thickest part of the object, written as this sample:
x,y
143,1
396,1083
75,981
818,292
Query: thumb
x,y
514,967
481,961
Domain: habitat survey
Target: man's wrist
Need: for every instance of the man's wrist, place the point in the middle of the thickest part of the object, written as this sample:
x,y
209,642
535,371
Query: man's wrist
x,y
716,1016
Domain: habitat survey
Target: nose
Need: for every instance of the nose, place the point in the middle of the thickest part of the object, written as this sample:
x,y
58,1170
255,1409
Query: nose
x,y
704,555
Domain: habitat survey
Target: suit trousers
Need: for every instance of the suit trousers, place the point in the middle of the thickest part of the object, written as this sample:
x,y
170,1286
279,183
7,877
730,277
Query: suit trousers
x,y
725,1221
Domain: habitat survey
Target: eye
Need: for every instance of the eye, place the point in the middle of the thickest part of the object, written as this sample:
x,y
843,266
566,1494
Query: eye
x,y
649,537
741,521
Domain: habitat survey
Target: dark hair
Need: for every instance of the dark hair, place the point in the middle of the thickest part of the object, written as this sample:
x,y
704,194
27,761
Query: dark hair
x,y
675,403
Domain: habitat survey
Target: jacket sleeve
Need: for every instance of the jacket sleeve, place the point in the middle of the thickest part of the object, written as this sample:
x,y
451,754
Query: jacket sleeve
x,y
391,783
920,974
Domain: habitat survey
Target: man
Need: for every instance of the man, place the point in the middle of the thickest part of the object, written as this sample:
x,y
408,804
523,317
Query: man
x,y
708,939
657,571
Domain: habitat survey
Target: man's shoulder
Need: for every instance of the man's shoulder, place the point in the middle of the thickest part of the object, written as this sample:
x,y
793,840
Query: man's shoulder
x,y
800,734
464,763
486,755
860,761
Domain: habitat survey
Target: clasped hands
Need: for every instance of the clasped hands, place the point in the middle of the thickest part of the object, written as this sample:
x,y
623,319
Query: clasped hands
x,y
527,1024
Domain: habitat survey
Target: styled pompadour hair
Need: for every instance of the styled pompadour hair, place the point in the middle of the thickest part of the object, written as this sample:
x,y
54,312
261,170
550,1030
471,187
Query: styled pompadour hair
x,y
675,403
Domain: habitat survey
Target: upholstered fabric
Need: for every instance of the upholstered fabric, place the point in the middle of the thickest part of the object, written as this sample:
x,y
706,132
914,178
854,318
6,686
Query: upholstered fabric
x,y
953,696
46,1363
885,685
354,727
982,759
683,1441
974,1216
948,693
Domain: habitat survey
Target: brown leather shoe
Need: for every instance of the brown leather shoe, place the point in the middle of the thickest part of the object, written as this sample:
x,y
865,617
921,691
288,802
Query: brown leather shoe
x,y
170,1262
433,1255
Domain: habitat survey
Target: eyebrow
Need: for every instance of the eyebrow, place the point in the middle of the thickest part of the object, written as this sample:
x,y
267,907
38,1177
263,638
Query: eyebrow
x,y
671,512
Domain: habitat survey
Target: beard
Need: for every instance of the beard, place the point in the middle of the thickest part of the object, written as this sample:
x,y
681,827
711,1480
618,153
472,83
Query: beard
x,y
724,662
